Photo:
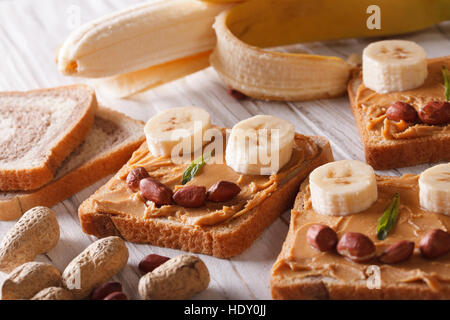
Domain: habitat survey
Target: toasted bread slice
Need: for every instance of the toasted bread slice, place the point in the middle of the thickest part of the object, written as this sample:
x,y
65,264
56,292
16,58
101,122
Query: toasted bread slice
x,y
109,144
301,272
410,145
225,239
39,129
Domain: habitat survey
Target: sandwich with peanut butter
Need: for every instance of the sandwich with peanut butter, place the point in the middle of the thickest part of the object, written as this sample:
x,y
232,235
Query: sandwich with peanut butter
x,y
355,235
400,101
198,187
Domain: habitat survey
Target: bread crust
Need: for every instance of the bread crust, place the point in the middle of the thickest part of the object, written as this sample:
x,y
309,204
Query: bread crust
x,y
76,180
224,240
289,287
36,177
398,153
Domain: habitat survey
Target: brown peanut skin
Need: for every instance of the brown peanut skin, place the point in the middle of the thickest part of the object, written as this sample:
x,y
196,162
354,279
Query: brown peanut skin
x,y
135,176
28,279
99,262
236,94
356,247
223,191
397,252
402,111
434,244
106,289
36,232
177,279
190,196
151,262
435,113
116,296
321,237
155,191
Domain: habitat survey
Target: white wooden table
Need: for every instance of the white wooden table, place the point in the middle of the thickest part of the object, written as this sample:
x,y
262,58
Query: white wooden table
x,y
30,32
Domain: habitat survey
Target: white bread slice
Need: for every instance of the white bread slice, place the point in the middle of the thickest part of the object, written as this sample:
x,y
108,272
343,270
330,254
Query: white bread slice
x,y
38,130
109,144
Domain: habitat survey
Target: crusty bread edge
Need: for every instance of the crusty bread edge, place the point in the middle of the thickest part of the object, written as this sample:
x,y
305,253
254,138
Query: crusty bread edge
x,y
76,180
33,178
401,153
314,288
220,241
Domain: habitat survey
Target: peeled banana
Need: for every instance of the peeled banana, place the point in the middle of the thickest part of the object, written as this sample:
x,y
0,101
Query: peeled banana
x,y
139,37
134,48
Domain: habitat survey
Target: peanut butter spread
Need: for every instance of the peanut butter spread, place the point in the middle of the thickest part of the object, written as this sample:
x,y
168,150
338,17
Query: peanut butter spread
x,y
374,105
302,260
117,198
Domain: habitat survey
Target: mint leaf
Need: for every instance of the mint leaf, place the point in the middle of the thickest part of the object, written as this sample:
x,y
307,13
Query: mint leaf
x,y
446,76
193,168
389,218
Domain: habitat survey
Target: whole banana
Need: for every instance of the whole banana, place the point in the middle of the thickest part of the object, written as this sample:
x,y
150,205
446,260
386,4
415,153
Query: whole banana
x,y
153,43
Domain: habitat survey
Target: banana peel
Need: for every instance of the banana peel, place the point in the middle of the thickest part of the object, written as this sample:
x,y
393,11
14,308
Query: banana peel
x,y
125,85
246,29
271,75
269,23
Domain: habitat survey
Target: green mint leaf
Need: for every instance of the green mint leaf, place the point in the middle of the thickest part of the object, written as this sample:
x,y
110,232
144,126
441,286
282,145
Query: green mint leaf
x,y
446,76
389,218
194,167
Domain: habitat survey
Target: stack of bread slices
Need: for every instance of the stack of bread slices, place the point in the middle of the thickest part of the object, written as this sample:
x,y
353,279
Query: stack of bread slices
x,y
55,142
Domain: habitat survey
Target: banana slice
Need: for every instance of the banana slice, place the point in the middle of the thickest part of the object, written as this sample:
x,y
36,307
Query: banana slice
x,y
394,65
183,126
434,186
343,187
260,145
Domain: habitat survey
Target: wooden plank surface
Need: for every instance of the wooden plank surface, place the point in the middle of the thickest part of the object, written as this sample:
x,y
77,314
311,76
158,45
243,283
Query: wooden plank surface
x,y
30,32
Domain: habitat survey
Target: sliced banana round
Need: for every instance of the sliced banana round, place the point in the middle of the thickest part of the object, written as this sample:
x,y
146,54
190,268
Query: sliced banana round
x,y
434,189
394,65
343,187
260,145
176,126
